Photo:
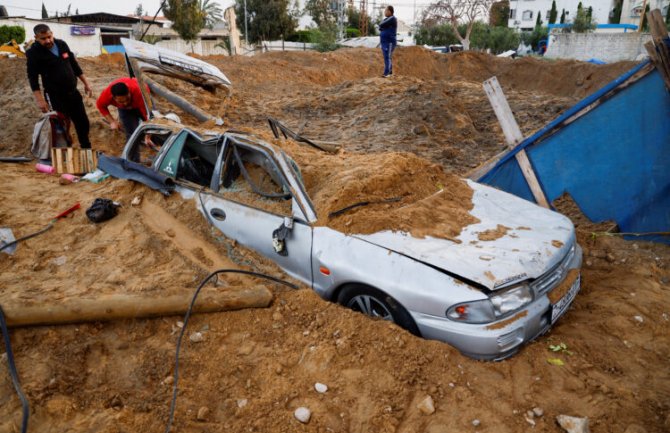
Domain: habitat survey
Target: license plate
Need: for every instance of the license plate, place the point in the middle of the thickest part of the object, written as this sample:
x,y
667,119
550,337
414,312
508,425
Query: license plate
x,y
562,304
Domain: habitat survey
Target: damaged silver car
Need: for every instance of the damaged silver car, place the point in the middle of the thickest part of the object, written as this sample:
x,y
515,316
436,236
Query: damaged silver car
x,y
486,299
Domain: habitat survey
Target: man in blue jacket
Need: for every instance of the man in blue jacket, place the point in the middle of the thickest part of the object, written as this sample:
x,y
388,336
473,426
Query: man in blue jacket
x,y
388,29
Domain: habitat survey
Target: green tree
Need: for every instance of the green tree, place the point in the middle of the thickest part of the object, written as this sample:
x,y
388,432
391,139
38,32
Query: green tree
x,y
45,14
499,13
320,11
616,13
538,21
9,33
211,12
553,13
533,38
563,17
456,12
267,19
354,21
582,22
139,10
186,17
436,35
589,12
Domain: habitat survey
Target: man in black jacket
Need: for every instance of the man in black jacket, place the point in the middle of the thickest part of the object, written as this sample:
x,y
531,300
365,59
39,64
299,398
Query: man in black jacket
x,y
52,59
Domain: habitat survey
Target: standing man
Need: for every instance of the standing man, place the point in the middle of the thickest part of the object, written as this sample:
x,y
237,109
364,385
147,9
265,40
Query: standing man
x,y
387,38
52,59
124,94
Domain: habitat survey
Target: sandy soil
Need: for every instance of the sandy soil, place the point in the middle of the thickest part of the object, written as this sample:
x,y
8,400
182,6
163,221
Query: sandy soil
x,y
256,366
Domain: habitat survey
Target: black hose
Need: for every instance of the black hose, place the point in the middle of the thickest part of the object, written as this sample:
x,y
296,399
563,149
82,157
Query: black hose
x,y
13,373
188,315
32,235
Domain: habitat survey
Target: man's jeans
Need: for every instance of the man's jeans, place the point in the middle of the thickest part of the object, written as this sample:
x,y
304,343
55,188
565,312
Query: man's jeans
x,y
387,50
130,119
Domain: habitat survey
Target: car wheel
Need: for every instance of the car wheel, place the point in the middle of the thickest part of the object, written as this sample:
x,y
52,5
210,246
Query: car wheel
x,y
378,304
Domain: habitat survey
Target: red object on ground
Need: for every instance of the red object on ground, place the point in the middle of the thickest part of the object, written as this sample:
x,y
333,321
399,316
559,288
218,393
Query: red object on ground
x,y
68,212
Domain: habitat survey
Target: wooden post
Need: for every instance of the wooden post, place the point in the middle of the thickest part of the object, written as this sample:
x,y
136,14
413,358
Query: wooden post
x,y
644,10
513,136
125,306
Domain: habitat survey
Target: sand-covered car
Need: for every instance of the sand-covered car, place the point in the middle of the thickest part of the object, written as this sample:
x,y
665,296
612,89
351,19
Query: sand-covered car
x,y
387,234
390,235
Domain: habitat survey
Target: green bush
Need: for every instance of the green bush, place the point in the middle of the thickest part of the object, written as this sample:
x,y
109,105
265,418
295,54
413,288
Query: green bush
x,y
306,36
533,38
353,33
440,35
17,33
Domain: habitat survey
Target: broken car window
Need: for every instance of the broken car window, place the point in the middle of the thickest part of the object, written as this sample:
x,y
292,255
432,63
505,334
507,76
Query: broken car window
x,y
250,177
147,144
191,159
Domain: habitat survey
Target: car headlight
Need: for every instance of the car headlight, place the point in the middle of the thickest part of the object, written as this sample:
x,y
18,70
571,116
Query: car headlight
x,y
494,308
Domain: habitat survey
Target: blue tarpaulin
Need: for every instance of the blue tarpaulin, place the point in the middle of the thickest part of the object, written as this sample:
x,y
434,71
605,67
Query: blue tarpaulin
x,y
614,160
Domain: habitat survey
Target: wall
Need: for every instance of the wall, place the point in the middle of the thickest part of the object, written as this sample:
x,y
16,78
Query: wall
x,y
81,46
201,48
609,47
601,10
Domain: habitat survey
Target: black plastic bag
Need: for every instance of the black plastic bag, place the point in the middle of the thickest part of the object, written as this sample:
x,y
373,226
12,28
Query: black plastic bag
x,y
102,209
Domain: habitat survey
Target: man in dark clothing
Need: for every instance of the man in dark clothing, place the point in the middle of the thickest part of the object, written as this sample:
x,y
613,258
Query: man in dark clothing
x,y
387,38
52,59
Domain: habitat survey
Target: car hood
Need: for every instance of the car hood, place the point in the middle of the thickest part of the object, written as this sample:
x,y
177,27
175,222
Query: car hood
x,y
537,239
162,61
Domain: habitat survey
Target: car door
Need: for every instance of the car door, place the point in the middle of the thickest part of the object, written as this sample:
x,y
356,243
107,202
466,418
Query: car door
x,y
251,202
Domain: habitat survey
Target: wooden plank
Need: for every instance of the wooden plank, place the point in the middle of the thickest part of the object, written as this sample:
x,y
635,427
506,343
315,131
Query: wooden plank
x,y
70,160
513,136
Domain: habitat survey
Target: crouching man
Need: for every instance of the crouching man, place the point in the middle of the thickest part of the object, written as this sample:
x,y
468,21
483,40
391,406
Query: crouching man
x,y
125,95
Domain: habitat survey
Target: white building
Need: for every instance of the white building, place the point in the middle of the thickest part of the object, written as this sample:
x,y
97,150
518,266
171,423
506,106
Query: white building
x,y
632,9
523,13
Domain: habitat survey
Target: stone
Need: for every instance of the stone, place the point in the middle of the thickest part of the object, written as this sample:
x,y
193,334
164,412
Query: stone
x,y
302,414
203,413
639,319
59,261
137,200
572,424
242,402
197,337
168,380
171,233
476,422
321,388
530,420
427,406
530,414
538,411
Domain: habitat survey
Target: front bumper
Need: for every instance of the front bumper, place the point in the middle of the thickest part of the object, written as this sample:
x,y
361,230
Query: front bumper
x,y
501,339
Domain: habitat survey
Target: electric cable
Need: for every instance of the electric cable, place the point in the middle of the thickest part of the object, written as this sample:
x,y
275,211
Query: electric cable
x,y
25,238
13,373
188,315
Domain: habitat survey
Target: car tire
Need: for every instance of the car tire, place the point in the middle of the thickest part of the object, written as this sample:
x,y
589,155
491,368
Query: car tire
x,y
375,303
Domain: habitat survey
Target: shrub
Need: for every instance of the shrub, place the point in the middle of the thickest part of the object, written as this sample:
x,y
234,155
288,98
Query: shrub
x,y
7,33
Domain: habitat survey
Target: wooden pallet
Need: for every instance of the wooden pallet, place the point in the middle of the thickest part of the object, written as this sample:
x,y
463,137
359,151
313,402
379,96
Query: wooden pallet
x,y
73,160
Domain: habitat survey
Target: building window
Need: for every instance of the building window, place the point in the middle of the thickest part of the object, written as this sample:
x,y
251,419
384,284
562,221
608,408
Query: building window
x,y
527,15
512,14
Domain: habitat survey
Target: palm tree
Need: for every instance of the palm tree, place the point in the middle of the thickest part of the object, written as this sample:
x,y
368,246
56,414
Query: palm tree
x,y
210,11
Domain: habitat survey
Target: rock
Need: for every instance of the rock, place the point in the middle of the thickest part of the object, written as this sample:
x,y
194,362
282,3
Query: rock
x,y
170,233
320,387
302,414
242,402
277,316
530,414
476,422
610,258
203,412
639,319
573,424
59,261
427,406
137,200
530,420
168,380
197,337
538,411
